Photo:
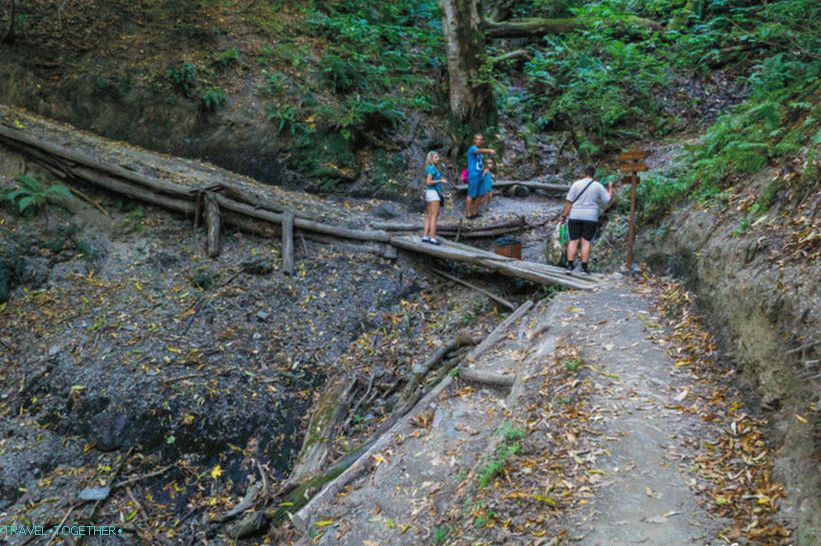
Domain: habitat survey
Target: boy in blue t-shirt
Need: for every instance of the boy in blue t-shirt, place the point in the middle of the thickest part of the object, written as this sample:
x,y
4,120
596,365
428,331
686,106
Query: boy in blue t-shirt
x,y
486,186
476,167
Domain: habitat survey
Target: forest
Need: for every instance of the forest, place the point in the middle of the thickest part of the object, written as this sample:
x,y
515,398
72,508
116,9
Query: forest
x,y
303,272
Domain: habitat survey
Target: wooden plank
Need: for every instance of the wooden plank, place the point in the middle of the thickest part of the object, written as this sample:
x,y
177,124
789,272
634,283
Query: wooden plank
x,y
288,242
632,155
633,168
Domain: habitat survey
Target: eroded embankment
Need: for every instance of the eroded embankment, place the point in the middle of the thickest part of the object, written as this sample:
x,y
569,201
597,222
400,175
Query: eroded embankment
x,y
757,280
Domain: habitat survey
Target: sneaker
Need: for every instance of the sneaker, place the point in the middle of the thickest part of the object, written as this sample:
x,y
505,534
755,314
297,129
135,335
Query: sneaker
x,y
425,239
433,241
569,268
586,268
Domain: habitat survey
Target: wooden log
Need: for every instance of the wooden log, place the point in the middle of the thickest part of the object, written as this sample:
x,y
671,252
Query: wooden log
x,y
213,223
486,378
288,243
498,299
186,206
304,224
80,158
419,371
328,412
500,330
252,226
62,168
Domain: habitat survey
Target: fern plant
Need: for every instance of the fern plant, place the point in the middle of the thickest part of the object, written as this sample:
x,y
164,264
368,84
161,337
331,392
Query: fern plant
x,y
213,98
30,193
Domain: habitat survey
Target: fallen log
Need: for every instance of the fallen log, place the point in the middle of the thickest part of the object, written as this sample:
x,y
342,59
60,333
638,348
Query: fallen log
x,y
419,371
80,158
304,224
145,195
486,378
328,413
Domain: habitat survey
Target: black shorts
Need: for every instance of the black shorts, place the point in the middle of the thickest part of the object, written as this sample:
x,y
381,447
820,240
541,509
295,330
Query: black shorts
x,y
581,229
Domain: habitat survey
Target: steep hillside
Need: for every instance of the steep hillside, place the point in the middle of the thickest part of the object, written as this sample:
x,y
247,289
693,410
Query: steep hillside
x,y
314,95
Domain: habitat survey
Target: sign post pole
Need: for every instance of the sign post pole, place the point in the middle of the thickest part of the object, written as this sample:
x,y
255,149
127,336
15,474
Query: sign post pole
x,y
633,164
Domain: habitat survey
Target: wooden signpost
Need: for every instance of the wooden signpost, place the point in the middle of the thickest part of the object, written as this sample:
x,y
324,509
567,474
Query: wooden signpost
x,y
632,162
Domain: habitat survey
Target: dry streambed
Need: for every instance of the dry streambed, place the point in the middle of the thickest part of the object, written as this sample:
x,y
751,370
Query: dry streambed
x,y
132,361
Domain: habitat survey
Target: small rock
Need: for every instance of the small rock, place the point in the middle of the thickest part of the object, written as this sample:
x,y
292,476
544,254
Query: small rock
x,y
94,493
263,315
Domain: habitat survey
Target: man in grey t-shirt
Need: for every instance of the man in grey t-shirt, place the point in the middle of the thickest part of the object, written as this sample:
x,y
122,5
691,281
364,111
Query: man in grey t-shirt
x,y
581,211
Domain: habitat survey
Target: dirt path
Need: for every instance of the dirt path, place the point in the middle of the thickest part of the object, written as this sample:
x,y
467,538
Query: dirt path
x,y
646,496
627,459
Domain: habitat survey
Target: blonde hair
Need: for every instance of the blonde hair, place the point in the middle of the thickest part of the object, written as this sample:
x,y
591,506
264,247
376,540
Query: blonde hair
x,y
429,157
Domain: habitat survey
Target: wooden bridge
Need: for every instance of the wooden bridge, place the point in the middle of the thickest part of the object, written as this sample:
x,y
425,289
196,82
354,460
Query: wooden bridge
x,y
220,197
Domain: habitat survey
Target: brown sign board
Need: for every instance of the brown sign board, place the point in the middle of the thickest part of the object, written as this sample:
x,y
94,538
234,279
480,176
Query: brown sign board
x,y
632,168
632,155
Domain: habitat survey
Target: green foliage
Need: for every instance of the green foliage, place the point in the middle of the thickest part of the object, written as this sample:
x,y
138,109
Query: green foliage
x,y
509,432
31,194
595,83
61,238
88,250
572,365
183,77
204,279
227,58
497,463
213,98
440,534
288,119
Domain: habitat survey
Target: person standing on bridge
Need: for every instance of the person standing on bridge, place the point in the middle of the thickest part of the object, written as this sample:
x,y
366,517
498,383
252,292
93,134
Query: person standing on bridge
x,y
581,212
476,168
434,198
486,187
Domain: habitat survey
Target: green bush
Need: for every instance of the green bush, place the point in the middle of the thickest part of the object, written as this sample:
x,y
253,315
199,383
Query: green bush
x,y
30,193
213,98
183,77
440,534
227,58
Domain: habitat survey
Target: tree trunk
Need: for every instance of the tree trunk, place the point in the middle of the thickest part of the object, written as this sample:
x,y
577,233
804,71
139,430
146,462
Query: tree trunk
x,y
8,34
470,101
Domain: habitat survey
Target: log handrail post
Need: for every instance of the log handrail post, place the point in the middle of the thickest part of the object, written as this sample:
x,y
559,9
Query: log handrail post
x,y
213,222
288,242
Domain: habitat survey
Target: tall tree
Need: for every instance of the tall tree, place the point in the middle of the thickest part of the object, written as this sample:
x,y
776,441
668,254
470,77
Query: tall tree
x,y
470,100
8,33
466,31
